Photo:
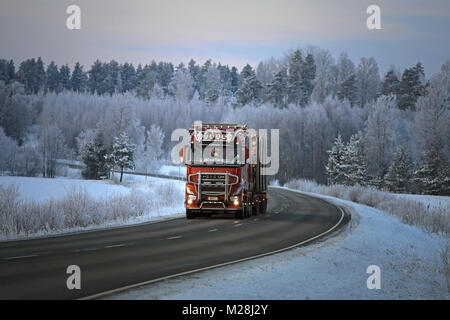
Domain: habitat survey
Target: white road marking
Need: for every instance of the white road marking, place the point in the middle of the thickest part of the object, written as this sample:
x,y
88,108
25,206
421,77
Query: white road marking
x,y
116,245
21,257
88,249
213,230
173,238
238,225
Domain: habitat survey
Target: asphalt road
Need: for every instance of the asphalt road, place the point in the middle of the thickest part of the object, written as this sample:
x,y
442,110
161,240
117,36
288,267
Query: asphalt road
x,y
116,258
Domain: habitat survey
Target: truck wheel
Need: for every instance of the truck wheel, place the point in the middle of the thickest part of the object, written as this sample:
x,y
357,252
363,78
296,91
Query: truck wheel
x,y
256,210
263,207
189,214
239,214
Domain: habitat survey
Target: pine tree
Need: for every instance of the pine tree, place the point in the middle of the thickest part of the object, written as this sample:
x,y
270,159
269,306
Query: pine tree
x,y
52,74
212,85
347,90
128,77
411,87
122,155
397,177
308,76
95,77
94,158
249,86
64,78
432,175
390,84
79,78
295,81
335,162
354,168
277,89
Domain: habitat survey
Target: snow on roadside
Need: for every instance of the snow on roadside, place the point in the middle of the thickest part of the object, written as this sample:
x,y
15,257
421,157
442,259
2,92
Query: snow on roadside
x,y
432,201
334,268
40,189
160,199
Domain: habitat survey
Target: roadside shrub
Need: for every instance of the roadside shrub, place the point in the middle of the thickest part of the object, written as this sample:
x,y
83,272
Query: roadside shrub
x,y
433,219
77,209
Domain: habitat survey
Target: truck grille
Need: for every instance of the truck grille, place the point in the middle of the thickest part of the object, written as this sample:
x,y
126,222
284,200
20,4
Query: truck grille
x,y
213,184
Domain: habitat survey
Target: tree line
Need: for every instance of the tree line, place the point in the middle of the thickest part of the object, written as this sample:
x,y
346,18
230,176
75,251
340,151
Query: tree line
x,y
298,78
308,95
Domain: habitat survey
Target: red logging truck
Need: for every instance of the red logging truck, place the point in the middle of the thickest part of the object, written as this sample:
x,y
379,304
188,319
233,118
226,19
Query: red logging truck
x,y
224,171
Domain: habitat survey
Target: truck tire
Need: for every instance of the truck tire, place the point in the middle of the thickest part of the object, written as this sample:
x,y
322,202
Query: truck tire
x,y
239,214
189,214
263,207
256,209
248,211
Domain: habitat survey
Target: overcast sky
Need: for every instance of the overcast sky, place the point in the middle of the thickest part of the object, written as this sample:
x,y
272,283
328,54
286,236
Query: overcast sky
x,y
233,32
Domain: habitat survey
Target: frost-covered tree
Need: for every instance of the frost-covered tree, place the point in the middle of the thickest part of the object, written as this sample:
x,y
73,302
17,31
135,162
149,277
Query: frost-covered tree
x,y
390,84
432,118
8,153
94,158
51,147
323,83
380,134
249,86
367,81
354,168
277,89
148,153
334,167
397,177
122,155
182,86
432,175
213,85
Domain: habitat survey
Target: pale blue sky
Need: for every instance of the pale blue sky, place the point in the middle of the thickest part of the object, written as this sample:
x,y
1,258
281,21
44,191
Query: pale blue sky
x,y
232,32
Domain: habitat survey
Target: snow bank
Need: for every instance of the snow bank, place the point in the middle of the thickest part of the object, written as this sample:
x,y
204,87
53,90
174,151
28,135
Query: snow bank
x,y
334,268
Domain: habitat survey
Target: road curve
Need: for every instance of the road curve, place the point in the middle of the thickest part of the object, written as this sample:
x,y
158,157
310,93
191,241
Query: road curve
x,y
122,257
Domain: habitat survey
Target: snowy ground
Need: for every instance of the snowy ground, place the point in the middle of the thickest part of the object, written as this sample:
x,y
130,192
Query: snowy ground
x,y
334,268
41,189
150,192
432,201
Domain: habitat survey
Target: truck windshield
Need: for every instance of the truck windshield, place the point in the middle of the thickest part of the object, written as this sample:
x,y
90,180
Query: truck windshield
x,y
216,153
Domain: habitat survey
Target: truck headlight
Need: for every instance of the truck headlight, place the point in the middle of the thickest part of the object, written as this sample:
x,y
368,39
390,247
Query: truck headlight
x,y
235,200
191,199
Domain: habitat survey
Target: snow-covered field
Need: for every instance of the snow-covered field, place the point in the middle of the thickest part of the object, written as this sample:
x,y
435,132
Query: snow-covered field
x,y
432,201
334,268
42,207
41,189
